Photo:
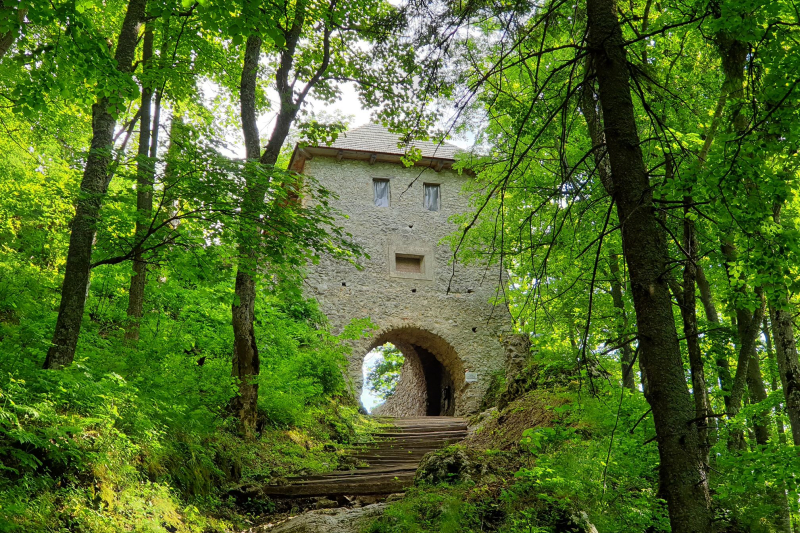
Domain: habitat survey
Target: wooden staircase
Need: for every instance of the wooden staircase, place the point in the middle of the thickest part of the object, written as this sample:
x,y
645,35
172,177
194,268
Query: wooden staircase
x,y
392,460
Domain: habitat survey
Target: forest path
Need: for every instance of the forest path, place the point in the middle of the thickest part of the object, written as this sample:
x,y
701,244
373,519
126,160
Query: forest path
x,y
393,459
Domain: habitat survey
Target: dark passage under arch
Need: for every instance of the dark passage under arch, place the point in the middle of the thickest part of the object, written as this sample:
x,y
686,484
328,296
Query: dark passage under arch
x,y
438,385
427,384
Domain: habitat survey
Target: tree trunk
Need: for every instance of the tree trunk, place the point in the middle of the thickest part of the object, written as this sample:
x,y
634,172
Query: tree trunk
x,y
690,331
246,363
788,366
145,179
7,13
773,376
683,476
748,370
706,297
720,356
758,393
783,523
93,188
622,325
786,348
747,326
592,114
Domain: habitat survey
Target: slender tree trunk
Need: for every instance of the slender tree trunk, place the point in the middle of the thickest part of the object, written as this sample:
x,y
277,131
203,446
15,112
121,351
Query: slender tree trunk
x,y
748,370
690,331
720,356
747,326
592,114
786,348
733,55
246,363
683,476
784,521
706,297
7,9
686,296
145,179
93,188
246,360
622,324
758,393
773,375
788,366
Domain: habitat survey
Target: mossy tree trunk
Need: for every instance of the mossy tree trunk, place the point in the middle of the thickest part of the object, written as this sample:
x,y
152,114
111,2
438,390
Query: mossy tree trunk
x,y
90,199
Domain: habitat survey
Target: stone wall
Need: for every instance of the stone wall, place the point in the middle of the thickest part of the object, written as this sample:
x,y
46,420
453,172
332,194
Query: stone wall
x,y
410,397
460,327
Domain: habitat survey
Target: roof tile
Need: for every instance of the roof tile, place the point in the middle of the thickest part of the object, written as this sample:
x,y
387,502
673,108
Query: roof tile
x,y
376,138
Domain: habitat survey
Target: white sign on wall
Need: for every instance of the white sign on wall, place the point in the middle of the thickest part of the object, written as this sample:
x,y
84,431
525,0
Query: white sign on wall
x,y
470,377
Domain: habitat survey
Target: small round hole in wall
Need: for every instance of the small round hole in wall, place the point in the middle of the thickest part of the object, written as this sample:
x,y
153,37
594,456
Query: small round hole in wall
x,y
411,225
470,291
474,330
344,284
413,290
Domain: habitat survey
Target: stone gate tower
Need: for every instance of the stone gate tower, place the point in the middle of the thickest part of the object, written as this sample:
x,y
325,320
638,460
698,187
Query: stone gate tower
x,y
452,342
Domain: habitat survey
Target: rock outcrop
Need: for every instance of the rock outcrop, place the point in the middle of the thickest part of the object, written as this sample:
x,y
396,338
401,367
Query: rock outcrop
x,y
452,465
341,520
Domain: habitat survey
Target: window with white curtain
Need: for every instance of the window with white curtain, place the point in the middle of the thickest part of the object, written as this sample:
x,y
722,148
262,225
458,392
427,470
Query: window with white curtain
x,y
431,196
381,188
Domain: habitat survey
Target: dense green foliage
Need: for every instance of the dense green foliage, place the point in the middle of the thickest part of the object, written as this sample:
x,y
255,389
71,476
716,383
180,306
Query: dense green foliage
x,y
139,431
140,437
586,463
713,124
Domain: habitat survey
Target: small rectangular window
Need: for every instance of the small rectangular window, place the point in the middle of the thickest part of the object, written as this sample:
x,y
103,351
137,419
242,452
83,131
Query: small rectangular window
x,y
381,188
411,264
431,196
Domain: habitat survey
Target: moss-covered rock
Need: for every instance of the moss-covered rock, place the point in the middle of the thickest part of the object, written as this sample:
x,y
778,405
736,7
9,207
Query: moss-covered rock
x,y
458,464
340,520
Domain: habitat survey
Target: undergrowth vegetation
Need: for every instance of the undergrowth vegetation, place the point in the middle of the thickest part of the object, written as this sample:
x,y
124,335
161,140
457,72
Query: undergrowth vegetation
x,y
139,437
557,459
582,465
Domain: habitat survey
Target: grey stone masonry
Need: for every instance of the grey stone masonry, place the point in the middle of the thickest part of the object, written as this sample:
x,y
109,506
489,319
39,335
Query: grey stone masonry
x,y
403,285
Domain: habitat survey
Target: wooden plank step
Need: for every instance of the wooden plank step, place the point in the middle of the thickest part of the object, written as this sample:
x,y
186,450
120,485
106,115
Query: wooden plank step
x,y
387,469
391,461
406,442
384,454
391,477
339,489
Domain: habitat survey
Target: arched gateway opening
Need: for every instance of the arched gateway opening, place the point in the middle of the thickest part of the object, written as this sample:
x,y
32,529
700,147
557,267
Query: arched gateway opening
x,y
431,378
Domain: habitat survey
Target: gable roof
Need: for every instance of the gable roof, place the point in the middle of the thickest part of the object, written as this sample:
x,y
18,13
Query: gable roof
x,y
372,142
376,138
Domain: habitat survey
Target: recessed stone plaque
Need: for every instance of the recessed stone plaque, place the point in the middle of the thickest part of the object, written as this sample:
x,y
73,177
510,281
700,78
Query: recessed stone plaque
x,y
470,377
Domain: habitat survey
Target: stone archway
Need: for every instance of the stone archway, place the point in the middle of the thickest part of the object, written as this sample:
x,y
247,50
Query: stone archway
x,y
444,311
432,379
